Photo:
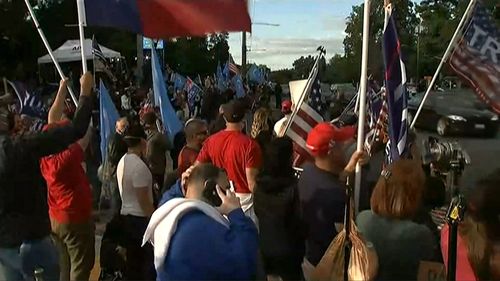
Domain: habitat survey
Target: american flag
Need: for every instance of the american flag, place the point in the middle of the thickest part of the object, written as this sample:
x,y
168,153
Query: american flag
x,y
233,68
377,119
396,94
476,57
96,51
308,115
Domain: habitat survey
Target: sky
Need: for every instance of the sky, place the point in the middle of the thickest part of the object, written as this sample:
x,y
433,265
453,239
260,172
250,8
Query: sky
x,y
303,26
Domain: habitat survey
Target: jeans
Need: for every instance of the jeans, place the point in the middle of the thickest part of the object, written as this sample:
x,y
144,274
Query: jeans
x,y
10,264
20,263
140,260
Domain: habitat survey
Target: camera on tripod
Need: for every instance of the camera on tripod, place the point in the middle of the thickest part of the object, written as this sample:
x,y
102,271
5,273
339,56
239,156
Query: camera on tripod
x,y
449,159
445,156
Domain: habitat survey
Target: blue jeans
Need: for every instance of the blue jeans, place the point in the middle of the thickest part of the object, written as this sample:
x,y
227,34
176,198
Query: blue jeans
x,y
20,263
10,264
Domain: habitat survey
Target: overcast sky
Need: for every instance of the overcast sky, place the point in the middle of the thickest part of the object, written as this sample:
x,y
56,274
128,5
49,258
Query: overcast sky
x,y
304,25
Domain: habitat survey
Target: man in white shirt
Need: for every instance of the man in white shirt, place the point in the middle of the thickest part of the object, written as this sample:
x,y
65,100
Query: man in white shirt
x,y
286,109
135,183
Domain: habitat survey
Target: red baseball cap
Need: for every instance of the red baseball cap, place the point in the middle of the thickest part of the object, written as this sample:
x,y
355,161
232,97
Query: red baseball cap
x,y
320,137
286,106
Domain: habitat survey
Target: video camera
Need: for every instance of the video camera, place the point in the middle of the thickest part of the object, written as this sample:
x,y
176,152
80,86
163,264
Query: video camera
x,y
445,156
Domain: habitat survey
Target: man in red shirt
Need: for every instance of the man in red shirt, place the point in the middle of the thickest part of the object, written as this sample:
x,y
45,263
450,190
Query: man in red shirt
x,y
236,153
69,200
196,131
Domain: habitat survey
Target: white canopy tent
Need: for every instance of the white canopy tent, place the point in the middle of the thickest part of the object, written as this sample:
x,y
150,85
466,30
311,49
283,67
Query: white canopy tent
x,y
70,51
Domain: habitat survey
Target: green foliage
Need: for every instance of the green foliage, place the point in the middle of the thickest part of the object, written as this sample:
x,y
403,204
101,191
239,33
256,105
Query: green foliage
x,y
20,45
302,66
407,21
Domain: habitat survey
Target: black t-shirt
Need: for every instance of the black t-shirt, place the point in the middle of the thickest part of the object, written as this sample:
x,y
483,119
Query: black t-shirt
x,y
322,199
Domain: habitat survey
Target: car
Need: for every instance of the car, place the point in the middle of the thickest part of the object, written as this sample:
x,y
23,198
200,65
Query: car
x,y
454,112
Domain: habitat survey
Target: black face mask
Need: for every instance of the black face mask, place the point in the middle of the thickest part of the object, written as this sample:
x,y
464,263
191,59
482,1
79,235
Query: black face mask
x,y
210,193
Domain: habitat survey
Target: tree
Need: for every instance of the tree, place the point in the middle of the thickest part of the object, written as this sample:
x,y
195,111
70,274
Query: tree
x,y
406,22
302,67
283,76
440,18
218,47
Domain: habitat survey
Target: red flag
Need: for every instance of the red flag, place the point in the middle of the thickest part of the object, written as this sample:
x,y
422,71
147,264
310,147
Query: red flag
x,y
170,18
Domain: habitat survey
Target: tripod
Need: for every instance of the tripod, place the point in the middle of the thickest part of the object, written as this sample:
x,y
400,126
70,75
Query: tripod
x,y
455,214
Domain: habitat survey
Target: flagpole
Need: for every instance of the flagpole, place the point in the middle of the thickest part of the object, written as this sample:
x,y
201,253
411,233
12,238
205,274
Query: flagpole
x,y
5,87
362,99
49,50
445,57
81,10
304,92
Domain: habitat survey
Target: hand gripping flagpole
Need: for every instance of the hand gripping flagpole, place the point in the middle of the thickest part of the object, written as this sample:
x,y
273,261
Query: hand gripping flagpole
x,y
446,55
49,49
362,99
80,4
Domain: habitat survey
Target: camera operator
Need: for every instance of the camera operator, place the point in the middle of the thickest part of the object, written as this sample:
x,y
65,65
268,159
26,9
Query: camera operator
x,y
192,238
478,241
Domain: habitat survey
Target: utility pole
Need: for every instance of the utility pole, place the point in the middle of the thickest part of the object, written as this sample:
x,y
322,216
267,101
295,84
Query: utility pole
x,y
244,45
140,59
243,53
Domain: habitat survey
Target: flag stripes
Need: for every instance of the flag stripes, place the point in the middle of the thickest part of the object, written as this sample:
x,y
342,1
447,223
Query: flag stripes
x,y
305,119
395,82
473,59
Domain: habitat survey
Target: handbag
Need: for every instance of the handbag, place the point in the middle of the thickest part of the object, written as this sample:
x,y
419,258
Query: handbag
x,y
363,263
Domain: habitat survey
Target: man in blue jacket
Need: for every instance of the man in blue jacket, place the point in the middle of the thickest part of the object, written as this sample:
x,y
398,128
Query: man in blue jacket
x,y
202,244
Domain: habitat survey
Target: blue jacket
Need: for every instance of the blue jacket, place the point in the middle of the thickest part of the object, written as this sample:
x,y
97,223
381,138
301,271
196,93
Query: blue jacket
x,y
174,192
203,249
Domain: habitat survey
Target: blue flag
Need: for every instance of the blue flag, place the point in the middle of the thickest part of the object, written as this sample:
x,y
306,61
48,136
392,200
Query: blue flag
x,y
171,124
179,82
30,102
256,74
238,86
225,72
397,96
221,81
108,117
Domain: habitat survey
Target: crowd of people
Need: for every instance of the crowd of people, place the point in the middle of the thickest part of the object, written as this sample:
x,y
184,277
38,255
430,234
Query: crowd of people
x,y
220,200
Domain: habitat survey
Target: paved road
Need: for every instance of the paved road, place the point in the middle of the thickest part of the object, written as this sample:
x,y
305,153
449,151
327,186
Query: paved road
x,y
484,153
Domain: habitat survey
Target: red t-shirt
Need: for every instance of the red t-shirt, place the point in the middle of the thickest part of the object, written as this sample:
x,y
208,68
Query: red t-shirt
x,y
69,194
186,159
464,268
234,152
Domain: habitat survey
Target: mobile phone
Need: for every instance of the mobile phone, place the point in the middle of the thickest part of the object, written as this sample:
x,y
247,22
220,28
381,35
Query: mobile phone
x,y
210,193
231,186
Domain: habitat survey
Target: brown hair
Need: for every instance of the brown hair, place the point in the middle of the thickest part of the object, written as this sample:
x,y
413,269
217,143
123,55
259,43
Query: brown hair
x,y
260,121
399,190
481,228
